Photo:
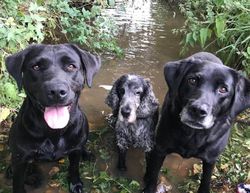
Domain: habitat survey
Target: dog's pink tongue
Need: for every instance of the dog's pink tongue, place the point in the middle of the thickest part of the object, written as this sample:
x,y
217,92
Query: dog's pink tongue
x,y
56,117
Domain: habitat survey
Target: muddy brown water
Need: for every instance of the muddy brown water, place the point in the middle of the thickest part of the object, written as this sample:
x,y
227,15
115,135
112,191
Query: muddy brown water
x,y
148,43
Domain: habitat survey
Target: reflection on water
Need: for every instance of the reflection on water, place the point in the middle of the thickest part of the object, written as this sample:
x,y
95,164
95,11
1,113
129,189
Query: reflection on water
x,y
145,35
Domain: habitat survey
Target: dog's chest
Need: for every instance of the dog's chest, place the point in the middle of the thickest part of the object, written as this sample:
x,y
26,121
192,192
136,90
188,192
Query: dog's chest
x,y
135,130
52,149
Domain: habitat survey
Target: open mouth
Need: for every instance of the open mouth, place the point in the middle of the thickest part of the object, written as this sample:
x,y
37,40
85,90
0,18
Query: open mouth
x,y
57,117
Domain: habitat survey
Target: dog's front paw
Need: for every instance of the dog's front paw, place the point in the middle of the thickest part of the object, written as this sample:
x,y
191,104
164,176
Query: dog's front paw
x,y
149,189
76,188
34,180
201,190
34,176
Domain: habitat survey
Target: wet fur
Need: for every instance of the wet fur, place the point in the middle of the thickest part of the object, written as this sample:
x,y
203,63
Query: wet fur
x,y
30,138
140,133
174,135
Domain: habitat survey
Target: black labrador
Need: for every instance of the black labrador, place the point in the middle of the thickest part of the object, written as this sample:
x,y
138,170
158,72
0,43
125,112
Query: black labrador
x,y
203,99
50,124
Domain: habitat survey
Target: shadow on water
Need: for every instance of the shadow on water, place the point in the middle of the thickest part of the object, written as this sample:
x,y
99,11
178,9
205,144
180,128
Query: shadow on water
x,y
148,43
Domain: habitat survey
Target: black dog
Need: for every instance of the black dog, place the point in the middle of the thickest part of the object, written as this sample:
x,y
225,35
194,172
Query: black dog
x,y
203,99
50,124
135,109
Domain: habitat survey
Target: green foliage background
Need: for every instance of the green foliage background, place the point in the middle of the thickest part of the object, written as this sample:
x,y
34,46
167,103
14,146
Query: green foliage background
x,y
223,25
23,22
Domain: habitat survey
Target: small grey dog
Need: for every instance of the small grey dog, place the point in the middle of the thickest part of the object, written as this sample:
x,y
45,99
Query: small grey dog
x,y
135,112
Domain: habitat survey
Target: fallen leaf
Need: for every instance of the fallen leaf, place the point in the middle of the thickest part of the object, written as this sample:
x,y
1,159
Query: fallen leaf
x,y
54,184
3,138
224,167
54,170
4,113
197,168
1,147
61,161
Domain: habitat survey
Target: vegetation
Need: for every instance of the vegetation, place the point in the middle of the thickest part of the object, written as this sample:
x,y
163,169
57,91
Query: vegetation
x,y
223,25
232,168
220,24
98,180
55,21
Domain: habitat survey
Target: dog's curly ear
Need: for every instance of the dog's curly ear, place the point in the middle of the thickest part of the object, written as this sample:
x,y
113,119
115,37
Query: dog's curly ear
x,y
112,100
242,94
14,64
149,103
91,63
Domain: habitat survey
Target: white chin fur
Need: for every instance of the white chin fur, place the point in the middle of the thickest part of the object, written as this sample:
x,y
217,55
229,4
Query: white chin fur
x,y
130,119
207,123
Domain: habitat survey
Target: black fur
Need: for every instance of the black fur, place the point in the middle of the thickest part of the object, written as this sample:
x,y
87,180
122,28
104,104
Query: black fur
x,y
203,99
51,75
135,110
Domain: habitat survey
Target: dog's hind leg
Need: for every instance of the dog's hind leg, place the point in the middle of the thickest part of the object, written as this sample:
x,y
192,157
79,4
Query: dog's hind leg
x,y
154,161
75,183
122,159
19,170
206,177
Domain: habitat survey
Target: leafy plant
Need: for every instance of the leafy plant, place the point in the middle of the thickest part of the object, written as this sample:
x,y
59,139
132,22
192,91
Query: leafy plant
x,y
220,24
55,21
98,180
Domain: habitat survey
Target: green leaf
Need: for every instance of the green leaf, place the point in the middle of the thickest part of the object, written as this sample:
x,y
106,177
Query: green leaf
x,y
248,50
203,36
220,24
188,37
111,3
10,90
219,2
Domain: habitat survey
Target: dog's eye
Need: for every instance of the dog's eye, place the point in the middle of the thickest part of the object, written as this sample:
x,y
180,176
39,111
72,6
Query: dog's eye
x,y
192,81
138,92
223,89
36,67
122,91
71,67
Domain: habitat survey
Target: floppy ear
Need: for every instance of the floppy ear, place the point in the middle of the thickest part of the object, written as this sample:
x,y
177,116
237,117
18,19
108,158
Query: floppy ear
x,y
91,63
242,95
14,64
149,103
174,73
112,100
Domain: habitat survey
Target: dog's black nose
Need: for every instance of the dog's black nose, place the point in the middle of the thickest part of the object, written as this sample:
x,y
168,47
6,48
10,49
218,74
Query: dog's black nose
x,y
57,92
125,111
199,111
